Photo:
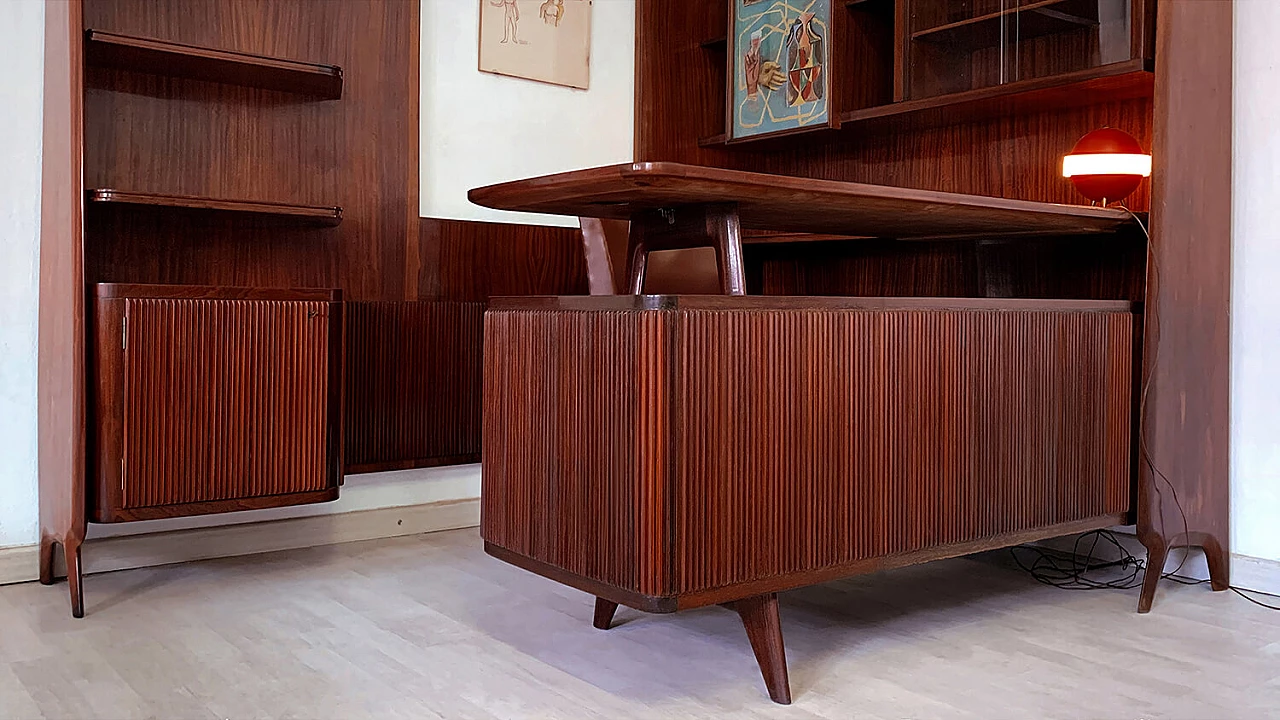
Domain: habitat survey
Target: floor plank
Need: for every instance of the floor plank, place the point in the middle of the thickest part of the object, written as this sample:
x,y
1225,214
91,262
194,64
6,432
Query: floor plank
x,y
430,627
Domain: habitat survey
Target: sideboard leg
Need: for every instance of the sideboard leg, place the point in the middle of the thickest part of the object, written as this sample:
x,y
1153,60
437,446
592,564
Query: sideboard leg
x,y
604,613
75,577
48,548
764,629
1156,553
1219,562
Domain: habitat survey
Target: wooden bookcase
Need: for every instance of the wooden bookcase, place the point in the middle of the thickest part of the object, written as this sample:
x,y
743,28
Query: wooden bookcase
x,y
228,179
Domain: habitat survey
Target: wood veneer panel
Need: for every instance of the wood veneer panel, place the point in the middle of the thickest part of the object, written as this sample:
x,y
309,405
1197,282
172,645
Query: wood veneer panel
x,y
413,384
150,55
694,444
185,137
214,400
1008,156
1185,493
471,261
61,381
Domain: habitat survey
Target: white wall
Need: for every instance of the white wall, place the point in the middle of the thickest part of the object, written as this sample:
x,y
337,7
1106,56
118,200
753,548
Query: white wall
x,y
1255,321
21,91
479,129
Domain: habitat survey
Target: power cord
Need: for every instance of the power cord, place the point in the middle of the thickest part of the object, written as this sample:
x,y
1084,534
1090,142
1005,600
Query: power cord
x,y
1069,573
1153,314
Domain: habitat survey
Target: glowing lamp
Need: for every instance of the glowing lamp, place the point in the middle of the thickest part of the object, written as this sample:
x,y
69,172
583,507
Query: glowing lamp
x,y
1106,165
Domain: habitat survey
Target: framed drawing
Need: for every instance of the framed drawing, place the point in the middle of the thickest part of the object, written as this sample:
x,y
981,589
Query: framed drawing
x,y
544,40
779,67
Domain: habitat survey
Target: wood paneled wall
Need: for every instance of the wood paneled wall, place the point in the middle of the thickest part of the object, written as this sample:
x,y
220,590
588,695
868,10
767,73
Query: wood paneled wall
x,y
468,261
188,137
680,97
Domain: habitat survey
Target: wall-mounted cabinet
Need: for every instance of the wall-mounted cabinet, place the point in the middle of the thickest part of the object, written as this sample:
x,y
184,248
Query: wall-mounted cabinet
x,y
211,399
936,62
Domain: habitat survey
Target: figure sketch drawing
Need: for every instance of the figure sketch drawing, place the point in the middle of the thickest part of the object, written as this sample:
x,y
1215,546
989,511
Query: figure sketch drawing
x,y
552,12
511,21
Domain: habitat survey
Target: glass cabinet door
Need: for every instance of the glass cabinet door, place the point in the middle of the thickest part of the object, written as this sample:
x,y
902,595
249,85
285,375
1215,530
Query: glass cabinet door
x,y
958,45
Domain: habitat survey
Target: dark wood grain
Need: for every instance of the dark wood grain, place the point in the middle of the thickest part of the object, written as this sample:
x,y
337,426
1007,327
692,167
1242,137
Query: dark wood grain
x,y
678,87
327,216
413,384
214,404
161,135
1184,493
801,205
699,450
61,380
150,55
472,261
703,389
604,613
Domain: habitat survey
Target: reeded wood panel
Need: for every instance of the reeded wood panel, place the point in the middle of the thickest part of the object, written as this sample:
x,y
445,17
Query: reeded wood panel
x,y
677,446
574,450
809,439
413,384
211,400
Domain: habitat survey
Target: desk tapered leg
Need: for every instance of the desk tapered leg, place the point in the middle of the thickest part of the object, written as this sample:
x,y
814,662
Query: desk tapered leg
x,y
764,629
604,613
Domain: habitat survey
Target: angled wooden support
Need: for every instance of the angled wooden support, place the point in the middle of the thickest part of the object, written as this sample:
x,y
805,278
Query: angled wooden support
x,y
760,618
713,225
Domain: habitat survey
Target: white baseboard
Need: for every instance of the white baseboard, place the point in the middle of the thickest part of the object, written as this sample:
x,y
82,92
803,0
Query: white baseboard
x,y
126,552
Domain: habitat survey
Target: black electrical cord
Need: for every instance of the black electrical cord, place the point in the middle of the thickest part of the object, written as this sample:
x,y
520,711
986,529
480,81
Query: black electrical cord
x,y
1072,576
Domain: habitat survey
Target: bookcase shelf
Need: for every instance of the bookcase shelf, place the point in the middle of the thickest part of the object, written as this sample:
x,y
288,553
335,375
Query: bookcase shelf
x,y
1035,19
299,214
161,57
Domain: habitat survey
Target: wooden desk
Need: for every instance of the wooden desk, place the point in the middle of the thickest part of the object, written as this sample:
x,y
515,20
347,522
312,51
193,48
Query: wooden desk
x,y
668,452
673,206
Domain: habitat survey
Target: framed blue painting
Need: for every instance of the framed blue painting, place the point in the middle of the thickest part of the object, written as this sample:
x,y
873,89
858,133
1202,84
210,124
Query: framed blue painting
x,y
779,67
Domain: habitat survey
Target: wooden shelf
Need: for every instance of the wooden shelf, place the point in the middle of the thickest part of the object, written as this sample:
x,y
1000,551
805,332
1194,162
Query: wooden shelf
x,y
1044,17
1110,83
160,57
301,214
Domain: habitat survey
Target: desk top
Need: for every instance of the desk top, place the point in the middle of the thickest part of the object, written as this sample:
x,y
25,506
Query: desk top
x,y
793,204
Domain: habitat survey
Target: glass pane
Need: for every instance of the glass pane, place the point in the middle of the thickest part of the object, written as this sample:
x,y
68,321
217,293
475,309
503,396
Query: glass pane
x,y
959,45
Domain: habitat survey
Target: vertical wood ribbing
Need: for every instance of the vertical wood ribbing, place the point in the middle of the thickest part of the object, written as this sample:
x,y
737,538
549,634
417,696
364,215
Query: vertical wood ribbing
x,y
224,400
574,446
794,439
811,439
413,381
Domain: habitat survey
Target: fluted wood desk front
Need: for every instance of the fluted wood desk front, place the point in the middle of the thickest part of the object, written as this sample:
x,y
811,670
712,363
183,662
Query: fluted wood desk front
x,y
672,452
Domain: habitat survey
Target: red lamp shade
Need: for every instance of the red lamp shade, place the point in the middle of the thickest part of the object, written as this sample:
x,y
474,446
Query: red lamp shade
x,y
1106,165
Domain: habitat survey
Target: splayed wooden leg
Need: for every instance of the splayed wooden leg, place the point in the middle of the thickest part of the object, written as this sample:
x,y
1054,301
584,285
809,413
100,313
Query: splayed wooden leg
x,y
604,613
48,549
764,629
1156,553
1219,562
75,577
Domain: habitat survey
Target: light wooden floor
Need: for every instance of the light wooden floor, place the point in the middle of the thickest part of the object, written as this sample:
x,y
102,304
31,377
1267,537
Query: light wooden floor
x,y
430,627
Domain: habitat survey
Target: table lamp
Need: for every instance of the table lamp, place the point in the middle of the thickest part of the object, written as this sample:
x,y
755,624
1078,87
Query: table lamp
x,y
1106,165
